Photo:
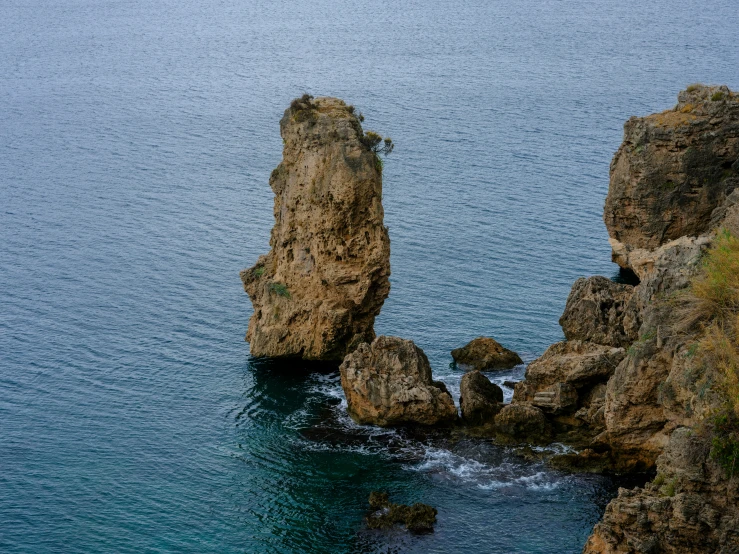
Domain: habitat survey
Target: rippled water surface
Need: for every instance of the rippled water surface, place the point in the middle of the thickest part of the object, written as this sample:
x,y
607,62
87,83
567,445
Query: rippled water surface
x,y
136,140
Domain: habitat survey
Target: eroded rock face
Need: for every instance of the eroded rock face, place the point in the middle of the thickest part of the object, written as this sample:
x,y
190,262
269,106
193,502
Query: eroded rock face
x,y
485,353
577,363
317,292
690,507
661,398
595,312
673,170
480,400
389,383
568,384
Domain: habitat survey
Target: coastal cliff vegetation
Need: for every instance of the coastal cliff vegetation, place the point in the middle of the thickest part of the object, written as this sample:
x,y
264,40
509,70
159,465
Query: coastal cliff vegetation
x,y
714,305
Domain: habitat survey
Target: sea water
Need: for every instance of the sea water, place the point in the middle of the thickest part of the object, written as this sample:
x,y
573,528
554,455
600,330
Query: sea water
x,y
136,142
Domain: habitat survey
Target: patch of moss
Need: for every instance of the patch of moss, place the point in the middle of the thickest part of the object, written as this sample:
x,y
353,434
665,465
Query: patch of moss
x,y
280,289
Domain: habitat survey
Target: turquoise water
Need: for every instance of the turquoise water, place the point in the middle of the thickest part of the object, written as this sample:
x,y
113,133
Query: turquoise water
x,y
137,140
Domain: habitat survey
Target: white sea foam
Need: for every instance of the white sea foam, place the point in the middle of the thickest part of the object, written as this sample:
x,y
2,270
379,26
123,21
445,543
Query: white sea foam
x,y
486,476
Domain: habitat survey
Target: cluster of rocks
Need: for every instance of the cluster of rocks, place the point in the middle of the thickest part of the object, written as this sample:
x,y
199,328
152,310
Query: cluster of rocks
x,y
389,382
622,386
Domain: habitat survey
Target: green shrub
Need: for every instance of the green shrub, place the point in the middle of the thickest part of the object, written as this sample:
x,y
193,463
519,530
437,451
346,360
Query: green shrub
x,y
258,272
716,96
725,442
669,488
280,289
302,108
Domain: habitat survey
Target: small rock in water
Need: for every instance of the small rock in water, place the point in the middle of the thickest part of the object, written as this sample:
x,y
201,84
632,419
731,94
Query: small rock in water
x,y
510,384
484,353
418,518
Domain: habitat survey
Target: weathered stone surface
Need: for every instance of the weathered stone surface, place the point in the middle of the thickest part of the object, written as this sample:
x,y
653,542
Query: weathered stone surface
x,y
523,422
558,398
480,400
577,363
595,312
690,508
485,353
317,292
389,383
673,170
661,397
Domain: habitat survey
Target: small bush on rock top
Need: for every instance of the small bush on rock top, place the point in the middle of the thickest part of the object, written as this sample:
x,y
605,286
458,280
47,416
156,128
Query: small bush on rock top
x,y
377,146
302,108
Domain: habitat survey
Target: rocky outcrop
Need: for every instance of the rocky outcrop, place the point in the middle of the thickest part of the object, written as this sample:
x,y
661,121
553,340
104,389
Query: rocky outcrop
x,y
480,400
673,170
317,292
568,383
662,397
389,383
690,508
577,363
595,312
484,354
523,422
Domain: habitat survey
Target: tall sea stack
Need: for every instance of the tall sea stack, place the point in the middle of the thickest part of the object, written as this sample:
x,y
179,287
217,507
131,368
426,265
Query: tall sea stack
x,y
317,292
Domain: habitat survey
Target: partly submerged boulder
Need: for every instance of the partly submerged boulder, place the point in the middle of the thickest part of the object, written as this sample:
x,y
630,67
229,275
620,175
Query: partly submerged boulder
x,y
317,292
485,353
480,400
417,518
389,383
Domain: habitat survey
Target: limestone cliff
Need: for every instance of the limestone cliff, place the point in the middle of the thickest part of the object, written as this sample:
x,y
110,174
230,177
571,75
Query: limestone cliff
x,y
672,190
317,292
672,171
648,377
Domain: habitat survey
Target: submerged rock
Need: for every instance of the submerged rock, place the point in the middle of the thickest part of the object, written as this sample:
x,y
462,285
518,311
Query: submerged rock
x,y
480,400
418,518
485,353
673,170
389,383
317,292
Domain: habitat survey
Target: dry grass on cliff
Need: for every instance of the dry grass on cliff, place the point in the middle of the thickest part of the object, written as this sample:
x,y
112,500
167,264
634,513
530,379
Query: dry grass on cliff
x,y
714,305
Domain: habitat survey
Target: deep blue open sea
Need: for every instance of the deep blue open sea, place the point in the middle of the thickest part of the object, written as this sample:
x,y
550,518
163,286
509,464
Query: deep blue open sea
x,y
136,142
